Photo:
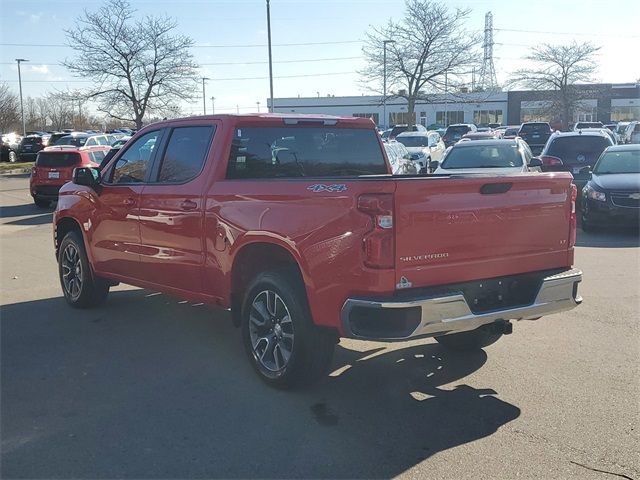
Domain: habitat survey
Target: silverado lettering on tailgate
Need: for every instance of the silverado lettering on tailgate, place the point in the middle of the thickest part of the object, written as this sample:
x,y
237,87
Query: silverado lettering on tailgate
x,y
426,256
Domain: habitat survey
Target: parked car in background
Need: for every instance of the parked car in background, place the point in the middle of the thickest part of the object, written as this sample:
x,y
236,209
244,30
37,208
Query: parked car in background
x,y
385,134
621,130
456,131
511,132
8,151
535,134
496,157
481,135
613,128
76,139
398,129
94,140
494,126
572,151
583,125
635,133
54,167
485,129
423,146
29,147
606,131
611,196
400,159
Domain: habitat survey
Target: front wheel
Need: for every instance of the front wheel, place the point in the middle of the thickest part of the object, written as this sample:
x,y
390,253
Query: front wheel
x,y
284,347
13,156
472,340
40,203
81,288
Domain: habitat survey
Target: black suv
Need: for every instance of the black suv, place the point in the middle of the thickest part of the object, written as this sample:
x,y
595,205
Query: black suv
x,y
455,132
535,134
572,152
30,146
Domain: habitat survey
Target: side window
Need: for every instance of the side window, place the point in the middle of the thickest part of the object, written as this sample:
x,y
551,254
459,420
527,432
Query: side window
x,y
90,142
97,156
185,154
132,166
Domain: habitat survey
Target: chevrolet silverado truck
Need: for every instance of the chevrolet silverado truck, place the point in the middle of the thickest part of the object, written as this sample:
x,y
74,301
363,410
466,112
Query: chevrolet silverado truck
x,y
296,225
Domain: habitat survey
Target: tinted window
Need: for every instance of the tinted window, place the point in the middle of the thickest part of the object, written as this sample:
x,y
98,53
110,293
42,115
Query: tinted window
x,y
619,162
305,152
57,159
31,140
70,140
481,156
132,166
185,154
571,149
414,141
511,131
535,128
459,130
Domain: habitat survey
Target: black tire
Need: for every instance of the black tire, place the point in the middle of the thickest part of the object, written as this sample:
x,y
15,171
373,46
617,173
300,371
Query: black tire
x,y
586,226
268,335
471,340
13,156
81,288
40,203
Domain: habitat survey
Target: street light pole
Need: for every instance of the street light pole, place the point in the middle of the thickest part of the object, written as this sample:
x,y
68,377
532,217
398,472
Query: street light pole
x,y
24,127
204,96
258,104
384,81
213,105
270,62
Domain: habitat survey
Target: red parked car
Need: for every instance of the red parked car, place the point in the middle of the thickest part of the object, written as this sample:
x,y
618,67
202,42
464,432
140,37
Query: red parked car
x,y
54,167
296,225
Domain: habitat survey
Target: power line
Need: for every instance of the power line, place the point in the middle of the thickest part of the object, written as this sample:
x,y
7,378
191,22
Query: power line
x,y
200,46
566,33
226,63
212,79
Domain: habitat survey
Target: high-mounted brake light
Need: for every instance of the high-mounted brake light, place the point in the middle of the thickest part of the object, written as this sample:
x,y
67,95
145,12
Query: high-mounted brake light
x,y
378,244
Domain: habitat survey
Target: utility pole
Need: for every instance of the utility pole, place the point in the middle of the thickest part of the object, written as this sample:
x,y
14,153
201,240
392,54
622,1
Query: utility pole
x,y
258,104
204,96
446,99
24,127
213,105
270,61
384,81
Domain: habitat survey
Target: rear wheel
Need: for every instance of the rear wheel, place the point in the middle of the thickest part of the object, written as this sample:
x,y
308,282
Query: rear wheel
x,y
283,345
40,203
81,288
13,156
586,226
472,340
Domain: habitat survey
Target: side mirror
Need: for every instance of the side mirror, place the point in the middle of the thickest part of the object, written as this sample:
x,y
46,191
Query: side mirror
x,y
87,176
535,162
433,165
585,170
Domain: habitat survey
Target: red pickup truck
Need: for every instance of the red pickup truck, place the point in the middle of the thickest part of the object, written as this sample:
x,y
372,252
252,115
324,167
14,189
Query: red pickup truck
x,y
296,225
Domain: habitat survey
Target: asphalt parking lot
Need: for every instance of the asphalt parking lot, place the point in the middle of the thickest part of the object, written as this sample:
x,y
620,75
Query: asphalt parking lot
x,y
149,387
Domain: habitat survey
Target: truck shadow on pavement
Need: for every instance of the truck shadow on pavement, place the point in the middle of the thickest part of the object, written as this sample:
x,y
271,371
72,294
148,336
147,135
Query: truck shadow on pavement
x,y
613,238
147,387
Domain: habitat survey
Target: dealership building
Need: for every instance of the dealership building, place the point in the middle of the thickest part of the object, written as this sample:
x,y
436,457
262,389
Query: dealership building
x,y
601,102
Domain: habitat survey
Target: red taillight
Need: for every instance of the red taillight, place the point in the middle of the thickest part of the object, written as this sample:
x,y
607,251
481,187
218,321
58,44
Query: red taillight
x,y
378,244
549,161
572,218
34,172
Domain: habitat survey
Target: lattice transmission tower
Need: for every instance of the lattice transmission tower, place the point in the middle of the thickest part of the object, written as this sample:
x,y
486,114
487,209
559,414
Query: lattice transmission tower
x,y
488,80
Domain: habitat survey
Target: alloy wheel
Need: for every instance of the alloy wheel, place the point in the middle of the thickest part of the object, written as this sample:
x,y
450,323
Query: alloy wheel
x,y
271,331
72,271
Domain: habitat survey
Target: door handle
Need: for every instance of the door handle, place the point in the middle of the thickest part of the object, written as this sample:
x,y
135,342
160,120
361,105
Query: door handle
x,y
188,205
129,202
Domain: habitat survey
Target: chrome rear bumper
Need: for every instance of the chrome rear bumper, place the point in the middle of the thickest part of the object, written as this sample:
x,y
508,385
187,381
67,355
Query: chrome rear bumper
x,y
440,315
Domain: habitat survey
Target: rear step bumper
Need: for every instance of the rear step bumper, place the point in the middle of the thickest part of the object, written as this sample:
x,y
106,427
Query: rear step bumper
x,y
392,319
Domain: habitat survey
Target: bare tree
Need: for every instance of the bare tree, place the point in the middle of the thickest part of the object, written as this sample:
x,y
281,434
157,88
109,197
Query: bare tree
x,y
560,68
431,47
140,67
59,110
9,109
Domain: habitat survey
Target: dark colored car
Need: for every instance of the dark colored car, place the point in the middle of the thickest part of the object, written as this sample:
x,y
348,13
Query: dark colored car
x,y
29,147
535,134
455,132
8,151
510,132
572,151
612,195
75,139
56,136
398,129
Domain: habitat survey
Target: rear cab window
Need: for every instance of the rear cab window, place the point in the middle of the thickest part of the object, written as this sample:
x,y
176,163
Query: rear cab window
x,y
571,148
304,151
535,128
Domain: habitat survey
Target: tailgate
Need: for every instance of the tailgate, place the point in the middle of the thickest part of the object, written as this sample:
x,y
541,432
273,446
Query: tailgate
x,y
451,230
